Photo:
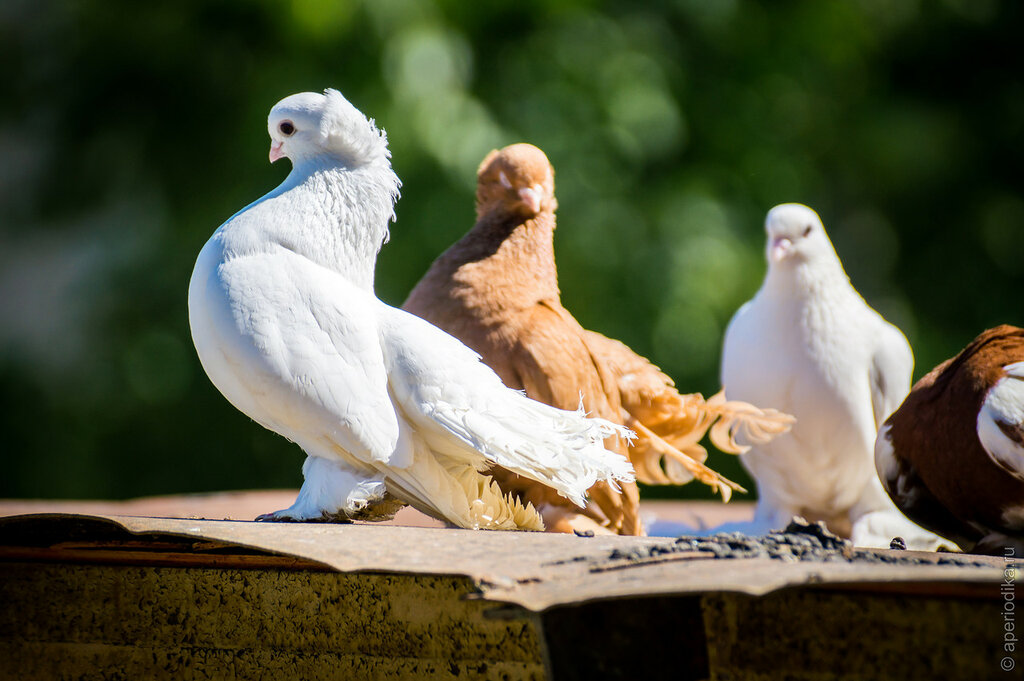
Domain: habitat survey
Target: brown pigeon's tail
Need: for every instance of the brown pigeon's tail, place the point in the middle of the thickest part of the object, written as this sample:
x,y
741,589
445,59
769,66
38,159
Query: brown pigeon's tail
x,y
657,462
670,426
741,425
669,430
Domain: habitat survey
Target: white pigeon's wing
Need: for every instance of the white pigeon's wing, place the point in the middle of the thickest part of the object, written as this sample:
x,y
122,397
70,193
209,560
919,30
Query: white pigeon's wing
x,y
891,371
466,413
1001,421
303,346
735,348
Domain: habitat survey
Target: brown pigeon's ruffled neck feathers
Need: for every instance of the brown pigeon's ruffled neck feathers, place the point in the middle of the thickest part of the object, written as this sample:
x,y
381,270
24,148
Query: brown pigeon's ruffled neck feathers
x,y
511,258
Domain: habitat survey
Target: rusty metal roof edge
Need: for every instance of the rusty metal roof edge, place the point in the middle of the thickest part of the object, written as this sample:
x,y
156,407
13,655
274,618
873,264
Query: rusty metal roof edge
x,y
534,571
308,544
660,581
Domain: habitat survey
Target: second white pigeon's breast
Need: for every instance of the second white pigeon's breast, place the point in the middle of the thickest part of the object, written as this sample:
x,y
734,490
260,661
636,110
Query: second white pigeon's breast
x,y
798,359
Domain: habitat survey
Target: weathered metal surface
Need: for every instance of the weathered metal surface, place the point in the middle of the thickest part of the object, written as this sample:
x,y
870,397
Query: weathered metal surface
x,y
62,621
820,635
532,570
234,505
133,597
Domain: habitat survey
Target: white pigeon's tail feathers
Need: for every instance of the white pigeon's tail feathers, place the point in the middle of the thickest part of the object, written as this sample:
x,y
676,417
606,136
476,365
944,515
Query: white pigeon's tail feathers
x,y
458,494
346,130
562,449
465,414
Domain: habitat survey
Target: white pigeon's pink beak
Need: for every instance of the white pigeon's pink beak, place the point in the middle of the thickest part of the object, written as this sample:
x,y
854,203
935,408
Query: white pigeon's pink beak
x,y
779,248
275,151
532,196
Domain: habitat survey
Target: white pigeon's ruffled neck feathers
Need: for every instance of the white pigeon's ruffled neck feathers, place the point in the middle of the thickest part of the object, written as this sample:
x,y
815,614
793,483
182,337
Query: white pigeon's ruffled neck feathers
x,y
336,204
345,131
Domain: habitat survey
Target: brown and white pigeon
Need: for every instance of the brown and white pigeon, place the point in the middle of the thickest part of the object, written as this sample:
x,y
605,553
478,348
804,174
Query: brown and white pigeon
x,y
952,456
496,289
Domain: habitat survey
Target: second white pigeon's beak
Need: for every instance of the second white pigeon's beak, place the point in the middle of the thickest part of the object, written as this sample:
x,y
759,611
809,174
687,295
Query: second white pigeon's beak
x,y
531,196
275,151
779,248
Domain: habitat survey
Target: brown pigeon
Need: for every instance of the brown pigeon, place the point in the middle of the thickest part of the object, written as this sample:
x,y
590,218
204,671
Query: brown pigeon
x,y
952,456
496,289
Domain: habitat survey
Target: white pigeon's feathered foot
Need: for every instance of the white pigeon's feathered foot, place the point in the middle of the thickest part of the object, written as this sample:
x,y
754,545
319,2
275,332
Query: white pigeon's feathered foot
x,y
464,498
331,492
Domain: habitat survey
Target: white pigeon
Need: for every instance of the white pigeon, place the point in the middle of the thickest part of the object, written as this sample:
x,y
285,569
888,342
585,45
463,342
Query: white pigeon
x,y
384,404
809,345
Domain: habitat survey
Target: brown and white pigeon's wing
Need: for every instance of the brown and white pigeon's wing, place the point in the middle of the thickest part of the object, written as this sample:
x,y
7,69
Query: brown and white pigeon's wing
x,y
911,493
1001,421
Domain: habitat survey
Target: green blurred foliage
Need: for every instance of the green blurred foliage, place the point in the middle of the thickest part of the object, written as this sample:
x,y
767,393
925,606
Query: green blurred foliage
x,y
131,130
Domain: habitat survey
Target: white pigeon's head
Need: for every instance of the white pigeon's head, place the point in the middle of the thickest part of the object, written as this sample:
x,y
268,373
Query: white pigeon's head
x,y
795,235
309,125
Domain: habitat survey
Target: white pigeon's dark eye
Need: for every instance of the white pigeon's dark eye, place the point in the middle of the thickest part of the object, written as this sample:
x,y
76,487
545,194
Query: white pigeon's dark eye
x,y
287,128
807,231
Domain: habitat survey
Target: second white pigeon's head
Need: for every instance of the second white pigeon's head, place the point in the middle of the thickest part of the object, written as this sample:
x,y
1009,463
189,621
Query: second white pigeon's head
x,y
795,235
310,124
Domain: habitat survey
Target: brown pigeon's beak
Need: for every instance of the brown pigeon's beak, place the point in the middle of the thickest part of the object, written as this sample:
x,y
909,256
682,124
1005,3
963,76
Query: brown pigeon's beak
x,y
531,196
275,151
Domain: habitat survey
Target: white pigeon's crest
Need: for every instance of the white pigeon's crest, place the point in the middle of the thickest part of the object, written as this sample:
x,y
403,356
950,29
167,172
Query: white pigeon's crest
x,y
344,128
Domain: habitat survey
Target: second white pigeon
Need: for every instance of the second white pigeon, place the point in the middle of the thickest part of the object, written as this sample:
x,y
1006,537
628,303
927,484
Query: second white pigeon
x,y
809,345
388,408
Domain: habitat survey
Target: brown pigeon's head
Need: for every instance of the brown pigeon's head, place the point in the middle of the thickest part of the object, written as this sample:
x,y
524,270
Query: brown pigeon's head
x,y
795,235
518,179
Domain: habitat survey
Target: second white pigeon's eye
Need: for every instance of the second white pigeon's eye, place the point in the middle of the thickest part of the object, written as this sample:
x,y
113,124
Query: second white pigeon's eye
x,y
807,231
287,128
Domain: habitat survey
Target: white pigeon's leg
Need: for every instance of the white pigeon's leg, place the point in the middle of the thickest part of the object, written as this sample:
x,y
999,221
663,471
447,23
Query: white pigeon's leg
x,y
772,514
332,492
767,517
872,499
877,529
876,522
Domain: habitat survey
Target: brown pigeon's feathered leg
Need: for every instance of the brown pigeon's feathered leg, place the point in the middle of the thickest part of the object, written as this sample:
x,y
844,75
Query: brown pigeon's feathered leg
x,y
619,506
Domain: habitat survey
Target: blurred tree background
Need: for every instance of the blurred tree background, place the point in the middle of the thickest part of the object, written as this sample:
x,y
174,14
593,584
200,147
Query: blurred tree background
x,y
129,131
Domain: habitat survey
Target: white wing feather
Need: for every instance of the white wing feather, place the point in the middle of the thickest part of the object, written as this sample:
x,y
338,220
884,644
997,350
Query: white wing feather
x,y
892,368
1003,410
